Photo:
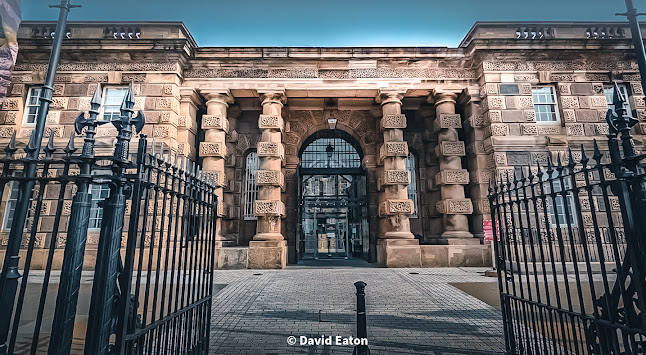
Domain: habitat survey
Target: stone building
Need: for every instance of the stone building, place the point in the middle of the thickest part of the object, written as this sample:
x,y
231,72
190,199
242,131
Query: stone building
x,y
379,153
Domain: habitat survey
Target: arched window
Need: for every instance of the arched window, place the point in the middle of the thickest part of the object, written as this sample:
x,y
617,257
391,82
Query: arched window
x,y
412,187
250,192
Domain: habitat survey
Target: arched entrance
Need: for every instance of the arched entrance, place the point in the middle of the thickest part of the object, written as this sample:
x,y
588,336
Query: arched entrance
x,y
332,198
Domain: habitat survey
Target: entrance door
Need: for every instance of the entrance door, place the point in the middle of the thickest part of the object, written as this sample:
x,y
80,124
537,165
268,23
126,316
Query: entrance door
x,y
332,190
333,217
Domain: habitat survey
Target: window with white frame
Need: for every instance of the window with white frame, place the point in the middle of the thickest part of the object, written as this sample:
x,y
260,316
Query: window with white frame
x,y
99,193
545,105
250,189
412,187
609,90
10,208
33,105
12,201
560,214
112,100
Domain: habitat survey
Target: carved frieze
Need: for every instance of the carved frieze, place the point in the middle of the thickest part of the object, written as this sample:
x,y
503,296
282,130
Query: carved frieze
x,y
271,122
447,148
213,149
455,206
393,122
270,178
452,177
549,129
215,122
271,149
395,206
574,129
393,149
528,129
266,208
393,177
444,121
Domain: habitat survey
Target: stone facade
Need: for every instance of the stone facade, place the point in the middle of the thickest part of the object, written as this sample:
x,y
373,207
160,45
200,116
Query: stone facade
x,y
505,99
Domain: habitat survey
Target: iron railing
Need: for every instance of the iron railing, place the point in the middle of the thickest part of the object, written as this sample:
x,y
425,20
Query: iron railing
x,y
563,291
152,280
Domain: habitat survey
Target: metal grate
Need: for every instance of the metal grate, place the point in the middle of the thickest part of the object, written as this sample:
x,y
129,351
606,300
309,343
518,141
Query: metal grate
x,y
250,187
412,187
324,153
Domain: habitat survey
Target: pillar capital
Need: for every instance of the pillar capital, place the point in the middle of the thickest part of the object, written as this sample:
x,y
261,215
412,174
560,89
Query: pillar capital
x,y
273,96
386,96
191,96
438,97
221,96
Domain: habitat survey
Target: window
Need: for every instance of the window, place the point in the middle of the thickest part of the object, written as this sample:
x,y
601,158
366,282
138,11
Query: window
x,y
11,205
545,105
112,100
12,201
33,104
609,90
250,189
99,194
558,211
412,187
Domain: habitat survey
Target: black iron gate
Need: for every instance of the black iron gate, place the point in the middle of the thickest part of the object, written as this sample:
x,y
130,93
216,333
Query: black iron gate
x,y
152,282
571,249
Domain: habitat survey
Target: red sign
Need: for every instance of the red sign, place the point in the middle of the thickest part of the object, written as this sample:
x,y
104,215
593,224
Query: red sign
x,y
487,227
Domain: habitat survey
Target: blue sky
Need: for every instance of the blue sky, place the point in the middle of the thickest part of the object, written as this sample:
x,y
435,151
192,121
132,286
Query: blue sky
x,y
331,22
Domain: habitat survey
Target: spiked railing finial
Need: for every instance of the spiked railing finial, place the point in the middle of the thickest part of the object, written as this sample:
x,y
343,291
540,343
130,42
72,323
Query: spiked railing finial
x,y
49,148
69,148
11,149
584,157
597,153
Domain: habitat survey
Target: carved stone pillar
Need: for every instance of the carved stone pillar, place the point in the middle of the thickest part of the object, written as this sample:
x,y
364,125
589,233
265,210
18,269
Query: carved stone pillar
x,y
213,149
396,246
268,250
451,178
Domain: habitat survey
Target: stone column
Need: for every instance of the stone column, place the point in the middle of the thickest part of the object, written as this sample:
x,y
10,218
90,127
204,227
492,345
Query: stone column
x,y
268,249
396,247
452,178
213,149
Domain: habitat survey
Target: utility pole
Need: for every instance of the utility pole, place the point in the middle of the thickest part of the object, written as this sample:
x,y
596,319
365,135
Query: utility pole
x,y
632,14
10,274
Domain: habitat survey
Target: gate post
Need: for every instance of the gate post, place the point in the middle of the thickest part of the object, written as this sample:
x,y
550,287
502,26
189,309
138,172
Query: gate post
x,y
68,292
104,288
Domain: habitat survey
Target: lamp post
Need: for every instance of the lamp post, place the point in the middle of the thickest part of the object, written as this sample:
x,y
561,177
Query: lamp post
x,y
10,274
631,13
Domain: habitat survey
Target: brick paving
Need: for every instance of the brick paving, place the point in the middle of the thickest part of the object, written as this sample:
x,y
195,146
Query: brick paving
x,y
407,313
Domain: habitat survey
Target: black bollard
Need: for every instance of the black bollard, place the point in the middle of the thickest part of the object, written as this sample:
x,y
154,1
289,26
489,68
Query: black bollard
x,y
362,325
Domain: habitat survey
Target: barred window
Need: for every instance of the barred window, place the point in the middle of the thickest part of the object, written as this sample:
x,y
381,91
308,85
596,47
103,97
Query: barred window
x,y
609,90
33,105
412,187
99,193
112,100
545,105
250,193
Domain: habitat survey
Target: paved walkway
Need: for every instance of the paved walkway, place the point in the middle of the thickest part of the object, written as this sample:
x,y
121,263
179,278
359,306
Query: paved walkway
x,y
410,311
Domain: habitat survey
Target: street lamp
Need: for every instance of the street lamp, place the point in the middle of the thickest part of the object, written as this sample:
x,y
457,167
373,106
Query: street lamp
x,y
10,274
329,150
631,13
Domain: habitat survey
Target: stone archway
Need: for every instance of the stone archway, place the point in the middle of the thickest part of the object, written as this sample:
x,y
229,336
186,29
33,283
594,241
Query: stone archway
x,y
301,124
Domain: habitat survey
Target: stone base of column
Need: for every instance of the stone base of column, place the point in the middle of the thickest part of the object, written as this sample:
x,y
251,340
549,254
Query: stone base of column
x,y
267,254
453,238
399,253
456,255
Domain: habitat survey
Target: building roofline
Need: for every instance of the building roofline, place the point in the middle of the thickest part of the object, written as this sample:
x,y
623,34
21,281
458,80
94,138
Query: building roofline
x,y
481,24
180,24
